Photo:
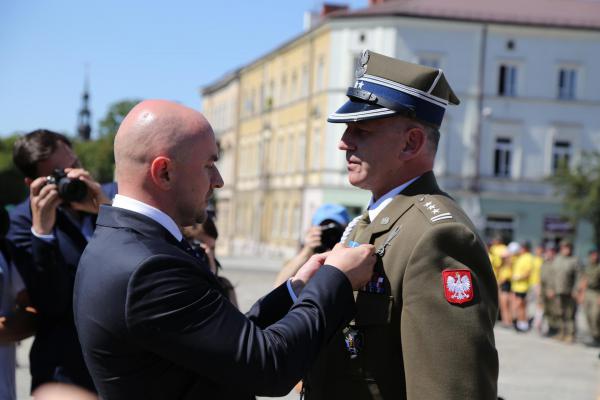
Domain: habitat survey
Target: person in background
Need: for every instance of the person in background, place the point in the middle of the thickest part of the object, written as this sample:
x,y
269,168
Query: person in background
x,y
496,251
327,226
566,269
521,273
590,296
534,303
49,231
504,284
17,317
548,291
203,238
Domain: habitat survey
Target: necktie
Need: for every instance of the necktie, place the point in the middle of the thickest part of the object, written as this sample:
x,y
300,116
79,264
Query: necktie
x,y
361,224
197,253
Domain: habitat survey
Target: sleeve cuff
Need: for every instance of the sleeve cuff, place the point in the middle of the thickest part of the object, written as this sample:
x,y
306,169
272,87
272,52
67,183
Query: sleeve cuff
x,y
291,291
45,238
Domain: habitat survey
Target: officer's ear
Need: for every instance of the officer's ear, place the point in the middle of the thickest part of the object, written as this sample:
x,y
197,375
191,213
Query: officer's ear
x,y
414,142
161,170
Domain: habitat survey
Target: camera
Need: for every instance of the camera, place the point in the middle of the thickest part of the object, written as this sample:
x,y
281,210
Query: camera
x,y
68,189
331,233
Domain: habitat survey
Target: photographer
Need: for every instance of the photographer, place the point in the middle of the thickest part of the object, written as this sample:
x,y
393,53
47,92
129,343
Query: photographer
x,y
50,229
328,224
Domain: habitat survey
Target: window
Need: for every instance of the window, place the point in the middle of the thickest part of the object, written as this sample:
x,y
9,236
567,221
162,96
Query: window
x,y
502,226
320,73
283,92
561,154
300,152
502,156
507,80
567,83
305,80
316,149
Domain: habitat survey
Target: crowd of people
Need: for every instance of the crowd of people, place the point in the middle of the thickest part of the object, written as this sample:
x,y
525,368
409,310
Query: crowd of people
x,y
542,288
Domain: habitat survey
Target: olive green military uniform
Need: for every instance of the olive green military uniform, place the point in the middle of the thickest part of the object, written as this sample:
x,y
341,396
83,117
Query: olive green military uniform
x,y
565,277
550,302
414,342
591,301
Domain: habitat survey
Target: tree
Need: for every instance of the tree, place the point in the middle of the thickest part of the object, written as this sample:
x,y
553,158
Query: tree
x,y
114,116
11,180
579,188
97,156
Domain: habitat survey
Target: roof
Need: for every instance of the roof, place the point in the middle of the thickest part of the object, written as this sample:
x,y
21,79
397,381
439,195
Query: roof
x,y
577,14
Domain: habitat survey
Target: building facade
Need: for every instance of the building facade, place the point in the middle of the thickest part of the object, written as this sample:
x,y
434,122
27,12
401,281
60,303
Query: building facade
x,y
529,102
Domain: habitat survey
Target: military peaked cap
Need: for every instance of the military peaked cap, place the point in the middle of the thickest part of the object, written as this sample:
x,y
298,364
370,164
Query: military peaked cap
x,y
385,86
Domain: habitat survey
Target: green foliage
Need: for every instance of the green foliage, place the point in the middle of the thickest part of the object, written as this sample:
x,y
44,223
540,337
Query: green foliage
x,y
580,190
115,114
13,189
96,155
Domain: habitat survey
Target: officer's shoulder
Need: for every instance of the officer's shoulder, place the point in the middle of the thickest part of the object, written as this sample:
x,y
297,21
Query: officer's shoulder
x,y
438,209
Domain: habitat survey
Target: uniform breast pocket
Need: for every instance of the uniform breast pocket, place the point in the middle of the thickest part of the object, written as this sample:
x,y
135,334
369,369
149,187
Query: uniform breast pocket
x,y
373,309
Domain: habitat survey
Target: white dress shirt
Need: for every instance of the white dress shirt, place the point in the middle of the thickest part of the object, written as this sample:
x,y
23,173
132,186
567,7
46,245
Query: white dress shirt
x,y
378,206
127,203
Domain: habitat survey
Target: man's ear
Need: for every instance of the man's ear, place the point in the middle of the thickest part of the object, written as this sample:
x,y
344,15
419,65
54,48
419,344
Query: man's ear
x,y
414,143
161,171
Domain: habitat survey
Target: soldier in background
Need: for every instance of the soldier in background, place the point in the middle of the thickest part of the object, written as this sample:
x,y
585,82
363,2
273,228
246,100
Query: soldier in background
x,y
566,269
548,292
590,296
534,302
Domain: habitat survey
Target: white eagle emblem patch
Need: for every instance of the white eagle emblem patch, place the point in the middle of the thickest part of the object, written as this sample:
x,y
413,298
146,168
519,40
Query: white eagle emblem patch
x,y
458,286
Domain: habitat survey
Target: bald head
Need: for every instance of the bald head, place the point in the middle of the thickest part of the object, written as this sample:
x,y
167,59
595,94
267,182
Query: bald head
x,y
155,128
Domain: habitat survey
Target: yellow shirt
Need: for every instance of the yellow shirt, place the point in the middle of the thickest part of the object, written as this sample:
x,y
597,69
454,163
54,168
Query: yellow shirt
x,y
496,251
522,269
535,277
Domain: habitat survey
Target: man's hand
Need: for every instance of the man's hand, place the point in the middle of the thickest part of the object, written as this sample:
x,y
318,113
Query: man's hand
x,y
44,200
356,263
95,196
307,271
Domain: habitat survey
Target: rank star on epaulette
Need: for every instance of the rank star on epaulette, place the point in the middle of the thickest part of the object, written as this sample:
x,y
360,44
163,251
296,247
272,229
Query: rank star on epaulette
x,y
458,285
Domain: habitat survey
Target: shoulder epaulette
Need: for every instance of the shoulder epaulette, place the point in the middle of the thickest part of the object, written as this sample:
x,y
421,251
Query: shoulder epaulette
x,y
432,209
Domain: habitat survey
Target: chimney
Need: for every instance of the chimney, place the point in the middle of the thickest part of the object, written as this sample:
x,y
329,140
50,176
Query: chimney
x,y
328,8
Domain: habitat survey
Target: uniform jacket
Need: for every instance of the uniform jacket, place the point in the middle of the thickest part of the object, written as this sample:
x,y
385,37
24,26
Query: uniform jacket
x,y
415,343
48,270
566,270
592,275
154,325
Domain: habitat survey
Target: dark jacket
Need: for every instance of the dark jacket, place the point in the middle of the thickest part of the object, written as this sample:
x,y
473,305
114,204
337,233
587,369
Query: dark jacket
x,y
154,325
48,271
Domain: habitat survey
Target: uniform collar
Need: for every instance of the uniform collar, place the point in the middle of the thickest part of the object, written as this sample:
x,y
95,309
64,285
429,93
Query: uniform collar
x,y
127,203
376,207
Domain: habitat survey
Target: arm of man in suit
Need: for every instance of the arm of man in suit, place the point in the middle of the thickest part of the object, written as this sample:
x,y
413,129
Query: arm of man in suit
x,y
448,349
192,325
40,264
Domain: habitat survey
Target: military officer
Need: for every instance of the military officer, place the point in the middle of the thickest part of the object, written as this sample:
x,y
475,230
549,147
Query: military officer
x,y
591,298
424,323
566,268
548,290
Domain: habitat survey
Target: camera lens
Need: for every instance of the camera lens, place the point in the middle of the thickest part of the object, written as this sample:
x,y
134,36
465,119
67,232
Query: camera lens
x,y
71,189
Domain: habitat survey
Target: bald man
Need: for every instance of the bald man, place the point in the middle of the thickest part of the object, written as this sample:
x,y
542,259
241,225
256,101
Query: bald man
x,y
152,320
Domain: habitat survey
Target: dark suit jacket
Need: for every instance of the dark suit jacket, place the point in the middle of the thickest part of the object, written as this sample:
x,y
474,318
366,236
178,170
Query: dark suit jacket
x,y
154,325
48,270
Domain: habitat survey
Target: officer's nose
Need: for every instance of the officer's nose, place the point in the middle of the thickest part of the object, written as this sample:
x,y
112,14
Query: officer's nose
x,y
346,142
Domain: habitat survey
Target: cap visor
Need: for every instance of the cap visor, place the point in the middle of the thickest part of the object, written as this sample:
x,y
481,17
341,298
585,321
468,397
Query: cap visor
x,y
353,111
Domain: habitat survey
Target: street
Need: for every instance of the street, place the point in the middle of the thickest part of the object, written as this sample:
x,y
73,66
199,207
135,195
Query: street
x,y
531,367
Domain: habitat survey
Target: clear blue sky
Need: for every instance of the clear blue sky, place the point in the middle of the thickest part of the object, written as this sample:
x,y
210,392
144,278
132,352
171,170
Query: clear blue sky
x,y
135,49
